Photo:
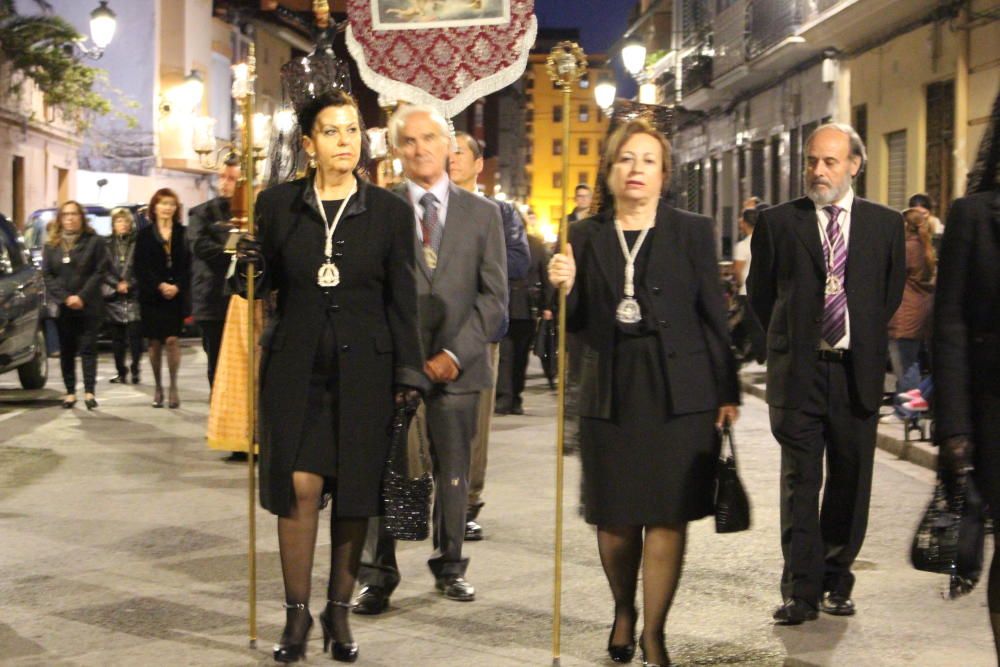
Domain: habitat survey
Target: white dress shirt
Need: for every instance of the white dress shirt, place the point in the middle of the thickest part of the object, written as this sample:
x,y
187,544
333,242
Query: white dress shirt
x,y
742,254
846,203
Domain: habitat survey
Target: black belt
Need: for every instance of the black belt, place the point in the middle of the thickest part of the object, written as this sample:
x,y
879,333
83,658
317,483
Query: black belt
x,y
832,355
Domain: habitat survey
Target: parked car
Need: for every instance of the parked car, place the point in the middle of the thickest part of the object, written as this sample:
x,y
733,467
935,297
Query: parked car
x,y
22,297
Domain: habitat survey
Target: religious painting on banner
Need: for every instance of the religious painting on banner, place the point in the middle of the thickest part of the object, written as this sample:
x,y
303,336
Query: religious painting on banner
x,y
446,53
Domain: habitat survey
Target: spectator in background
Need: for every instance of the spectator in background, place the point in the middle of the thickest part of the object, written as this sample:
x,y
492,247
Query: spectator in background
x,y
208,231
909,327
465,164
121,296
748,335
924,203
73,262
751,202
162,266
583,196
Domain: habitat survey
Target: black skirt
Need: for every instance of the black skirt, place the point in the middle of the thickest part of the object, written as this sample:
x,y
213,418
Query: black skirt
x,y
646,466
317,448
164,319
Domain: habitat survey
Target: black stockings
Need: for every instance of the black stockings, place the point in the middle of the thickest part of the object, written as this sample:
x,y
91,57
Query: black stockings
x,y
297,544
173,361
661,553
993,588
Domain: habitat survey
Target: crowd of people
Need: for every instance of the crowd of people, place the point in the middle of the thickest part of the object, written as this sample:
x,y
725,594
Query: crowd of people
x,y
429,297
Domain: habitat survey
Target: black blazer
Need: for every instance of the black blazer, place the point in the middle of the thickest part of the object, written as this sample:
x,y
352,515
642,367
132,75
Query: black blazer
x,y
685,297
82,276
209,259
374,313
121,308
967,313
152,268
786,287
526,295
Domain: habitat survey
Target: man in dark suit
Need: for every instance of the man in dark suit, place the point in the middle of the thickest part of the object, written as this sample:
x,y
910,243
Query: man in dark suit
x,y
208,229
462,297
827,275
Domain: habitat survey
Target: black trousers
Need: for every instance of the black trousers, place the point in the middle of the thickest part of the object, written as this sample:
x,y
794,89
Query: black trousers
x,y
513,367
821,542
211,342
126,337
78,335
451,424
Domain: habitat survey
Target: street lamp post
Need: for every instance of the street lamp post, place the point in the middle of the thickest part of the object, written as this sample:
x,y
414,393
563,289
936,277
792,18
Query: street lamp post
x,y
566,64
253,134
102,29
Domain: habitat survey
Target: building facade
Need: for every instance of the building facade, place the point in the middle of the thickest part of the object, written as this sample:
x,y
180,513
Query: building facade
x,y
753,78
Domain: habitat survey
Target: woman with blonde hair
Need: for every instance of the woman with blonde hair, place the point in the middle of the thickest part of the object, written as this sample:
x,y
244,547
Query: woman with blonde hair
x,y
73,263
658,378
121,299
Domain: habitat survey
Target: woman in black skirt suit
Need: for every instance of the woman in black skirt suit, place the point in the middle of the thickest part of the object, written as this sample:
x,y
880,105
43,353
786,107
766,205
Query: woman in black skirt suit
x,y
343,342
657,378
163,269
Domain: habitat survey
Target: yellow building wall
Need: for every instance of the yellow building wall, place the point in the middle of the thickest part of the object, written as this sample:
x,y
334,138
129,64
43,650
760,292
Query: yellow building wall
x,y
546,200
892,80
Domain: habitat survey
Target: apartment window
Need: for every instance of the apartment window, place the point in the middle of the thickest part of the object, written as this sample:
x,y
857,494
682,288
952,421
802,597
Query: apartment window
x,y
557,179
529,115
896,144
584,113
940,139
584,147
529,98
557,113
585,82
757,169
529,82
557,147
529,153
583,179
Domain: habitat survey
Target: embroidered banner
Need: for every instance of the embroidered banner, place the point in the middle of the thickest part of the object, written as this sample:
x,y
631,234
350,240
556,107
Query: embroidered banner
x,y
447,53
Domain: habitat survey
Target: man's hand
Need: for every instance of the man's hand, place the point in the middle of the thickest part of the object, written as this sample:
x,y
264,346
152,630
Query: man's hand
x,y
728,414
122,287
441,368
74,302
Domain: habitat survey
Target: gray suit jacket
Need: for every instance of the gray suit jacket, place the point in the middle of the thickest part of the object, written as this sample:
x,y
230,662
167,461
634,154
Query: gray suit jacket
x,y
463,302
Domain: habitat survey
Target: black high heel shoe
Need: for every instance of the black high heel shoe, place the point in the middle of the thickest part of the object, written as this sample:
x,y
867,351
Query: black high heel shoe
x,y
293,649
342,651
622,653
645,663
158,397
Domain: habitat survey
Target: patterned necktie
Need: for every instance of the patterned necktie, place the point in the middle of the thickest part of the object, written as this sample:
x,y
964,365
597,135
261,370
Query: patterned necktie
x,y
835,306
430,225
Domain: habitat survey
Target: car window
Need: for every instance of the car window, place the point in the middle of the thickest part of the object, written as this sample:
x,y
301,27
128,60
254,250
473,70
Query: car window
x,y
11,258
100,220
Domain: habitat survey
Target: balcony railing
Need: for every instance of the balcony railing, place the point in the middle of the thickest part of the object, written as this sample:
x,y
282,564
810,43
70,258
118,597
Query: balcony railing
x,y
697,73
771,21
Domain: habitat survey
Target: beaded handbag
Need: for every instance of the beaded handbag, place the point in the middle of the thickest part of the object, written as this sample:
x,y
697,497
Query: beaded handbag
x,y
406,501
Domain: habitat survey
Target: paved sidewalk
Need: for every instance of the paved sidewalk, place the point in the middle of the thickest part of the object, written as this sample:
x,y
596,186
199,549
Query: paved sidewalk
x,y
122,542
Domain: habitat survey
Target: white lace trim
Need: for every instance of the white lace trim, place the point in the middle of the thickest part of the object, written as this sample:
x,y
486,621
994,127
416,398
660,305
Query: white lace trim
x,y
399,90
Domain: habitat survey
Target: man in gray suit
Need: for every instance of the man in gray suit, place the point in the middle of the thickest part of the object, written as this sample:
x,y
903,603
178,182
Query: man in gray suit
x,y
462,296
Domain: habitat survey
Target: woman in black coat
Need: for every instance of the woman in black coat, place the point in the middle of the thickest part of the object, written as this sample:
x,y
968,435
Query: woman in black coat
x,y
121,297
163,268
73,263
967,343
657,378
343,341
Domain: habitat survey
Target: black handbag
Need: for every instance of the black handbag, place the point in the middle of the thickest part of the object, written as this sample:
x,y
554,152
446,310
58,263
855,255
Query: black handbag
x,y
732,506
935,544
406,501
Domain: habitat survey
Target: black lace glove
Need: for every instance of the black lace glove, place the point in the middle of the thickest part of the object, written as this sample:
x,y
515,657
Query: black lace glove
x,y
954,465
408,397
249,251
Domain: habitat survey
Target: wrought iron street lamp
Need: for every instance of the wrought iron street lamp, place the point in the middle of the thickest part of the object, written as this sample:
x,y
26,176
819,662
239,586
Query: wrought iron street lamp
x,y
103,23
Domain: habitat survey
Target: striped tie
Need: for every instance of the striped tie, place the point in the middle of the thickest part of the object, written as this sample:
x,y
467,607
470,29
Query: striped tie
x,y
430,224
835,306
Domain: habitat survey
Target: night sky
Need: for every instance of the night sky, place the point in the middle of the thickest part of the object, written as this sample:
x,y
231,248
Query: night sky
x,y
601,22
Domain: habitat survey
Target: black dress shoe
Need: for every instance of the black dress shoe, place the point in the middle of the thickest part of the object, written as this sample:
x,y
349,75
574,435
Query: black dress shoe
x,y
118,379
91,403
794,612
372,600
473,531
836,604
456,588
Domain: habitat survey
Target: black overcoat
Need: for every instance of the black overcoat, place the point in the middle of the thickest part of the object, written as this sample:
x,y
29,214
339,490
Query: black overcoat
x,y
152,268
374,310
786,288
688,313
81,276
